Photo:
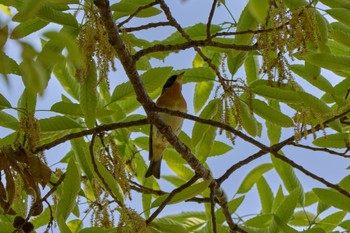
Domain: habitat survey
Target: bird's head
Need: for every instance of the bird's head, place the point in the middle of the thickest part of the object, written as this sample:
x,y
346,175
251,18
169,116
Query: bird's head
x,y
174,79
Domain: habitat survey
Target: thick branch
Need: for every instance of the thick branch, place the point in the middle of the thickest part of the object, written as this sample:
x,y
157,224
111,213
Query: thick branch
x,y
191,44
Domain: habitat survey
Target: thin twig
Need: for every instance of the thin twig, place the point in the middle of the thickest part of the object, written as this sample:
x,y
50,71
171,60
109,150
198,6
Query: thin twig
x,y
170,196
47,195
87,132
210,18
146,26
178,27
94,164
326,150
138,10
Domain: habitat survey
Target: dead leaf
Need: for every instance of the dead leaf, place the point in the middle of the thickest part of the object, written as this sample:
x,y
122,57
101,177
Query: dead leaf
x,y
40,171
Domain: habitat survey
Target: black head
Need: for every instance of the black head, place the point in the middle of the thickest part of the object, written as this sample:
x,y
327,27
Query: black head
x,y
171,81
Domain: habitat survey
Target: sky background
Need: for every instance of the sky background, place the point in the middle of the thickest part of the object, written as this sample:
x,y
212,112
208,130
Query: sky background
x,y
187,13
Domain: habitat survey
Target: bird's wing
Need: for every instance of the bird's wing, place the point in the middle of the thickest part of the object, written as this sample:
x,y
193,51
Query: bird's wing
x,y
150,143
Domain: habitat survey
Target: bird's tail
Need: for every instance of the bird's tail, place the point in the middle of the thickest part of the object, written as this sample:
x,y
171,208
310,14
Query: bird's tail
x,y
154,169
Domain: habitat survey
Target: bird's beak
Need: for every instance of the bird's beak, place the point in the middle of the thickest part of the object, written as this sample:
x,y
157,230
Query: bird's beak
x,y
180,76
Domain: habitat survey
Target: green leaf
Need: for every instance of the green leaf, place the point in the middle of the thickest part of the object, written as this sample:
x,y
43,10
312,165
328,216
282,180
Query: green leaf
x,y
200,74
302,218
4,103
75,110
67,109
97,229
340,33
288,176
338,140
273,131
235,60
26,101
185,194
232,207
345,225
152,80
259,9
281,225
4,33
246,22
316,80
33,73
259,221
69,41
8,121
51,52
190,220
203,149
8,65
219,148
62,225
180,169
345,183
336,3
146,198
208,113
253,176
27,27
50,14
126,8
295,4
323,26
333,198
58,123
279,94
338,63
286,209
81,155
201,94
42,219
265,194
270,114
314,103
75,225
108,179
251,67
340,14
249,122
332,221
70,190
168,225
88,95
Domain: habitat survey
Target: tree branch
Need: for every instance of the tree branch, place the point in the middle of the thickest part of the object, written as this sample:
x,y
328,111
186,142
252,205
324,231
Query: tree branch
x,y
129,65
146,26
210,18
326,150
87,132
191,44
170,196
108,189
138,10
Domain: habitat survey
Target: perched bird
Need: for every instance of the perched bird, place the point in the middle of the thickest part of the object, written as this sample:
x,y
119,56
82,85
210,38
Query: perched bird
x,y
171,98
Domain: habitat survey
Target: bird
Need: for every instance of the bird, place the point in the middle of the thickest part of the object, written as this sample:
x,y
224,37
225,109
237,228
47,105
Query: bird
x,y
171,98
